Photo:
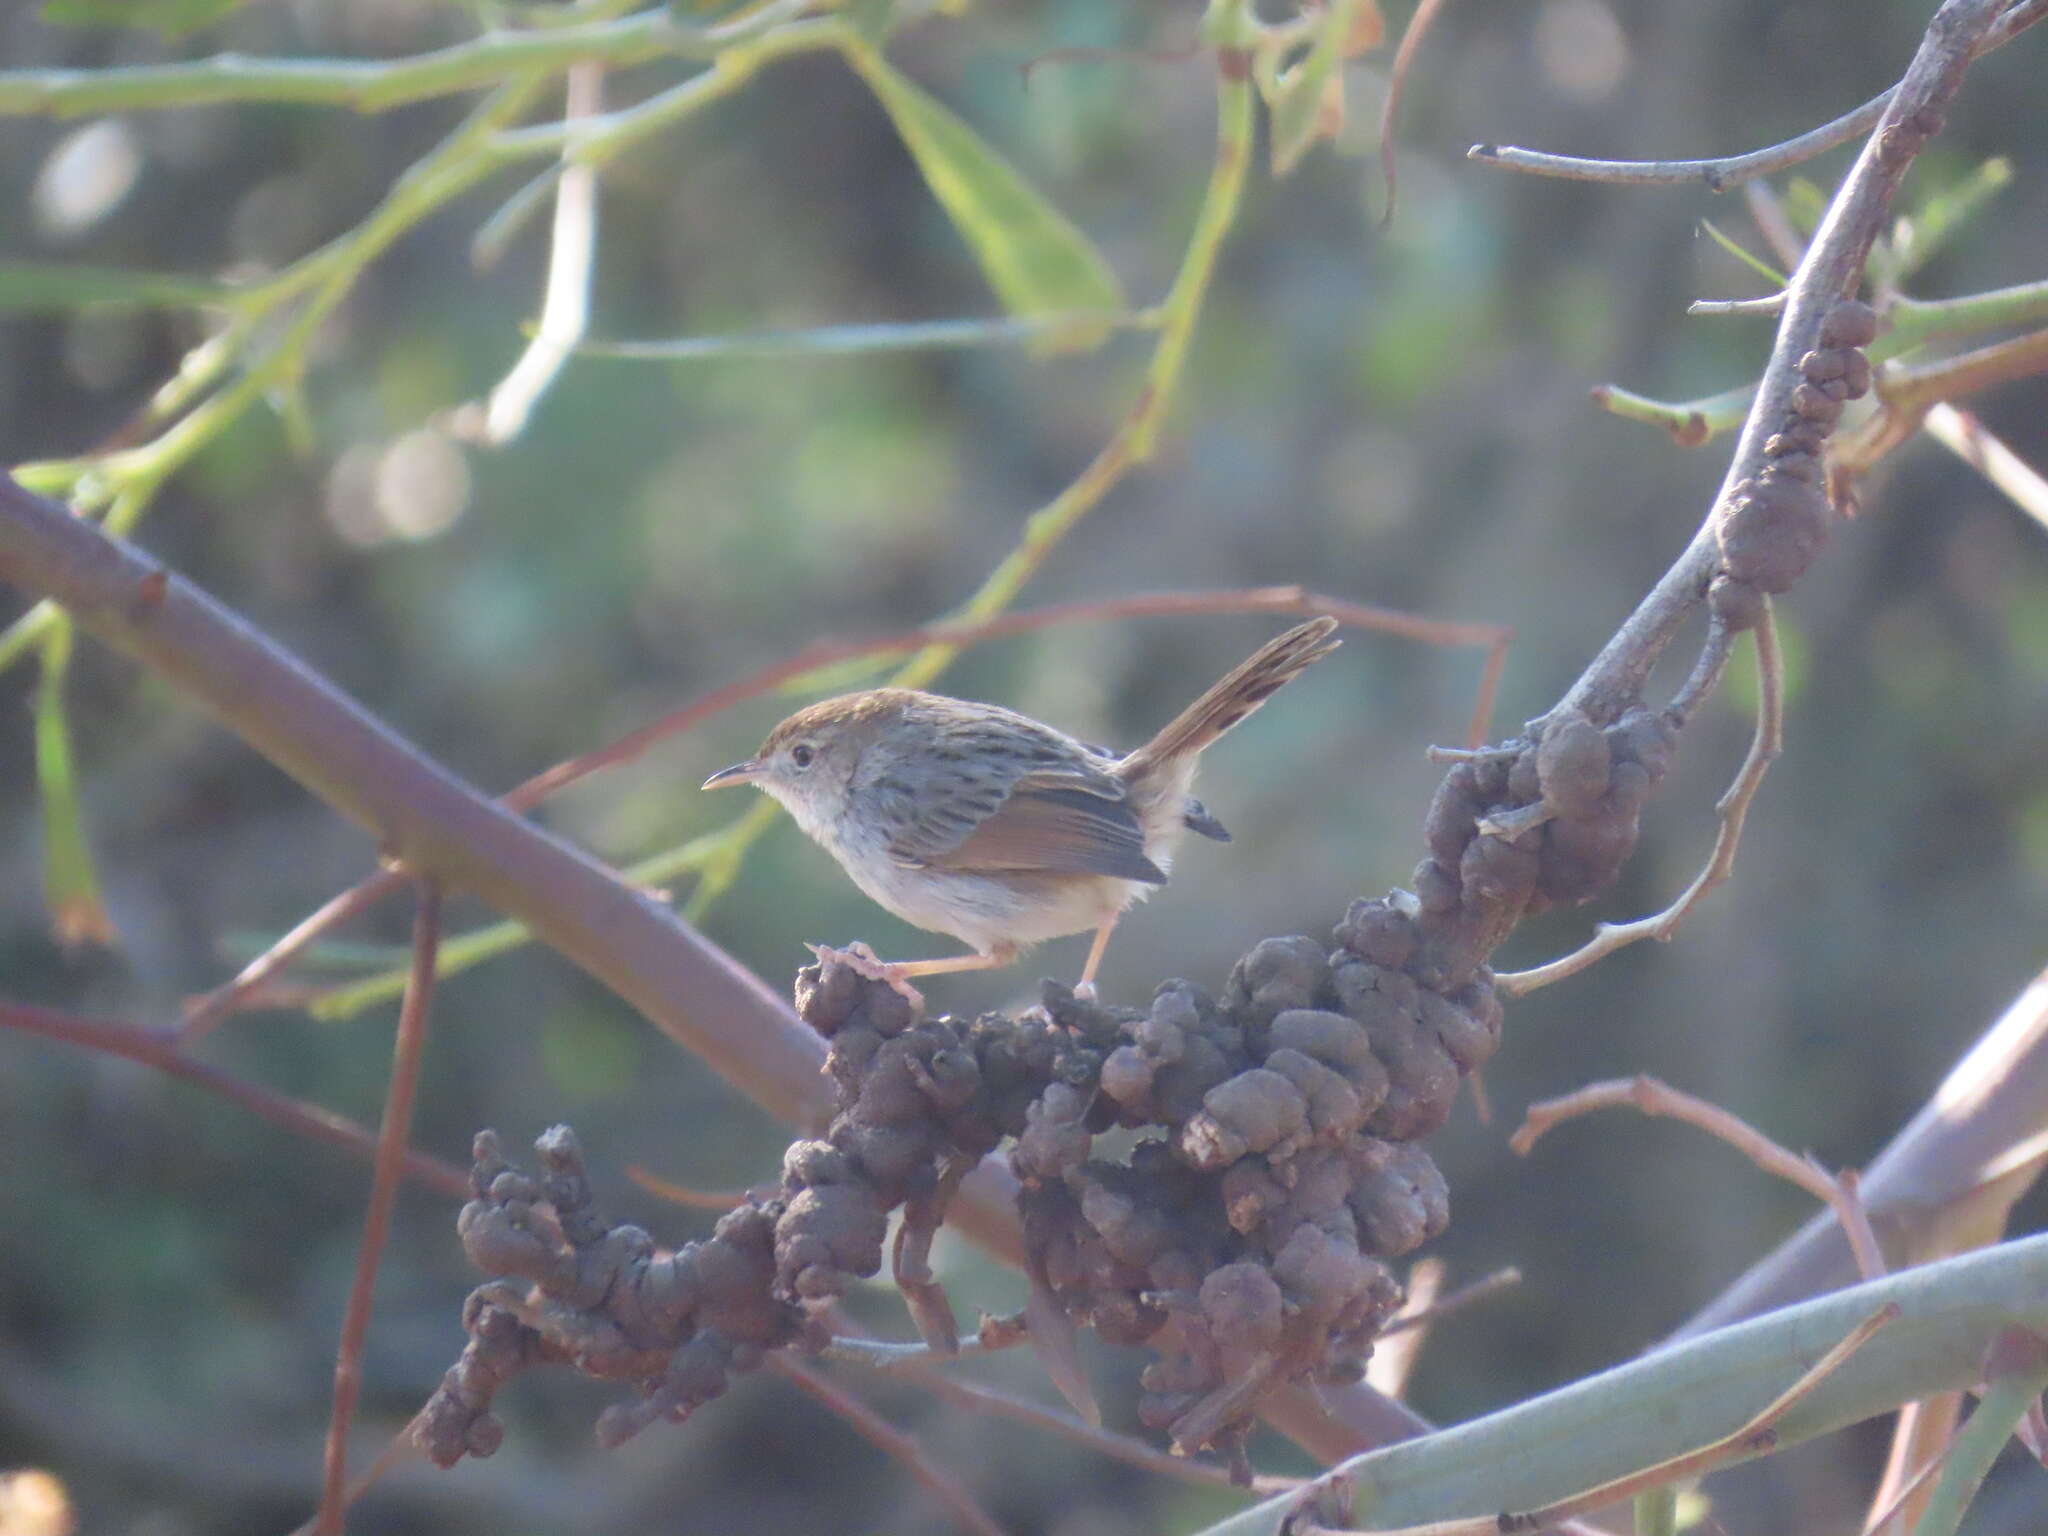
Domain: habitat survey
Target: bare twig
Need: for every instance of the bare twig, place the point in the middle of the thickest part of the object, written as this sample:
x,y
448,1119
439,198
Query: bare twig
x,y
565,307
1393,1360
683,1195
1719,175
406,1053
1970,440
1419,23
1653,1097
1733,809
161,1052
935,1479
1769,304
1462,1299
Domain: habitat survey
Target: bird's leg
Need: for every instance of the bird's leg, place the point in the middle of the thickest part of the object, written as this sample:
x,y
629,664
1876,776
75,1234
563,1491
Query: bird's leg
x,y
897,974
1085,989
1001,955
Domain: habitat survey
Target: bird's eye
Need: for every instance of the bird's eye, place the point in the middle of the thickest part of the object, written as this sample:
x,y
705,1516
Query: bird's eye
x,y
800,755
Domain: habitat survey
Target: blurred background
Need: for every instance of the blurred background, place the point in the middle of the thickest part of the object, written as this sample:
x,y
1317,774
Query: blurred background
x,y
1395,415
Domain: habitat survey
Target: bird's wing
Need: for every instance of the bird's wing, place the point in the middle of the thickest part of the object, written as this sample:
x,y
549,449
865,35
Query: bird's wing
x,y
1018,799
1056,830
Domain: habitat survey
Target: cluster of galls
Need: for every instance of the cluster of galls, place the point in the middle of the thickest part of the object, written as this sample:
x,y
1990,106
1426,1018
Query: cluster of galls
x,y
571,1288
1537,823
1775,522
1243,1235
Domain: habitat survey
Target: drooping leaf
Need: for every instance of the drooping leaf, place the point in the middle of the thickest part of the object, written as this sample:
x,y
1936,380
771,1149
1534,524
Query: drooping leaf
x,y
1034,258
45,286
173,18
1307,100
70,886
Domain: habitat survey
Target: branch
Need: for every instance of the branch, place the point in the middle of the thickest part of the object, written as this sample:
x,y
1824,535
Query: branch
x,y
1654,1097
372,85
1828,273
160,1051
935,1479
1651,1410
1944,1181
1733,809
420,814
1719,175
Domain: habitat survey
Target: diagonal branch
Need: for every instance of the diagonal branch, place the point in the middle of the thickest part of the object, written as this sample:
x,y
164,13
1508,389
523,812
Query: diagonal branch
x,y
1829,272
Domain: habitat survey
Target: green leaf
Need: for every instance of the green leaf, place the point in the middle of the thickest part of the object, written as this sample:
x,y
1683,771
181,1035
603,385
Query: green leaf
x,y
1307,101
1037,262
42,286
857,340
1917,237
70,886
1728,243
172,18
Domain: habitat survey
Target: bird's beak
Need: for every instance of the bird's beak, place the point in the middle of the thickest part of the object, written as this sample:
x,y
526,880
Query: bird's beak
x,y
738,773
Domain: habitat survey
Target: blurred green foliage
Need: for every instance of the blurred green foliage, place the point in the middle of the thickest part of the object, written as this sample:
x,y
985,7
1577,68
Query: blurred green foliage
x,y
1398,416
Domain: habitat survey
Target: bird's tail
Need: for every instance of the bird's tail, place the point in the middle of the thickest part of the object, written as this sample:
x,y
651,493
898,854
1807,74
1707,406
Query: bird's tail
x,y
1274,665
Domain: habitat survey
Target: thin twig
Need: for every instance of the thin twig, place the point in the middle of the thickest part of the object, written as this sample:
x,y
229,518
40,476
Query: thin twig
x,y
1970,440
565,306
1393,1359
683,1195
1418,27
1654,1097
161,1052
1769,304
1460,1300
904,1448
1733,809
1718,175
401,1449
406,1053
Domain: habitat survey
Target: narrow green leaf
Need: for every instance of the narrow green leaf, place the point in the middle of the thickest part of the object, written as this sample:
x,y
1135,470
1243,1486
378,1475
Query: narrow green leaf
x,y
70,887
1916,238
1037,262
36,286
854,340
1756,264
173,18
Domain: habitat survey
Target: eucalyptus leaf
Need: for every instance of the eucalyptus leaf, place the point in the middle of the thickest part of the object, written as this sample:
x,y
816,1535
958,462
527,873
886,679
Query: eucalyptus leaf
x,y
1037,262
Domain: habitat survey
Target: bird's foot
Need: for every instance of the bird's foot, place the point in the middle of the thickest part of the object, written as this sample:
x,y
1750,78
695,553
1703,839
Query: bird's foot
x,y
1084,991
864,962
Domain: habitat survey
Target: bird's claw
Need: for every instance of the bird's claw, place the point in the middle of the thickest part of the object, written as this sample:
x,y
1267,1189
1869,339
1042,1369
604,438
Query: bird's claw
x,y
864,962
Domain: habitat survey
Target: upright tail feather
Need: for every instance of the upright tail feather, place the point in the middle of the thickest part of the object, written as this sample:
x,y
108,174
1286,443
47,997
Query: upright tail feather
x,y
1274,665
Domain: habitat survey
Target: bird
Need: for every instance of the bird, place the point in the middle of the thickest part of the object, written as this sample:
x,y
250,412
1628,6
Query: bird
x,y
976,821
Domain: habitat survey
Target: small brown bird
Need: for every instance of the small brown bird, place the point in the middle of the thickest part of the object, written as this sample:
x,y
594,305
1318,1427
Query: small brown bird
x,y
977,821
